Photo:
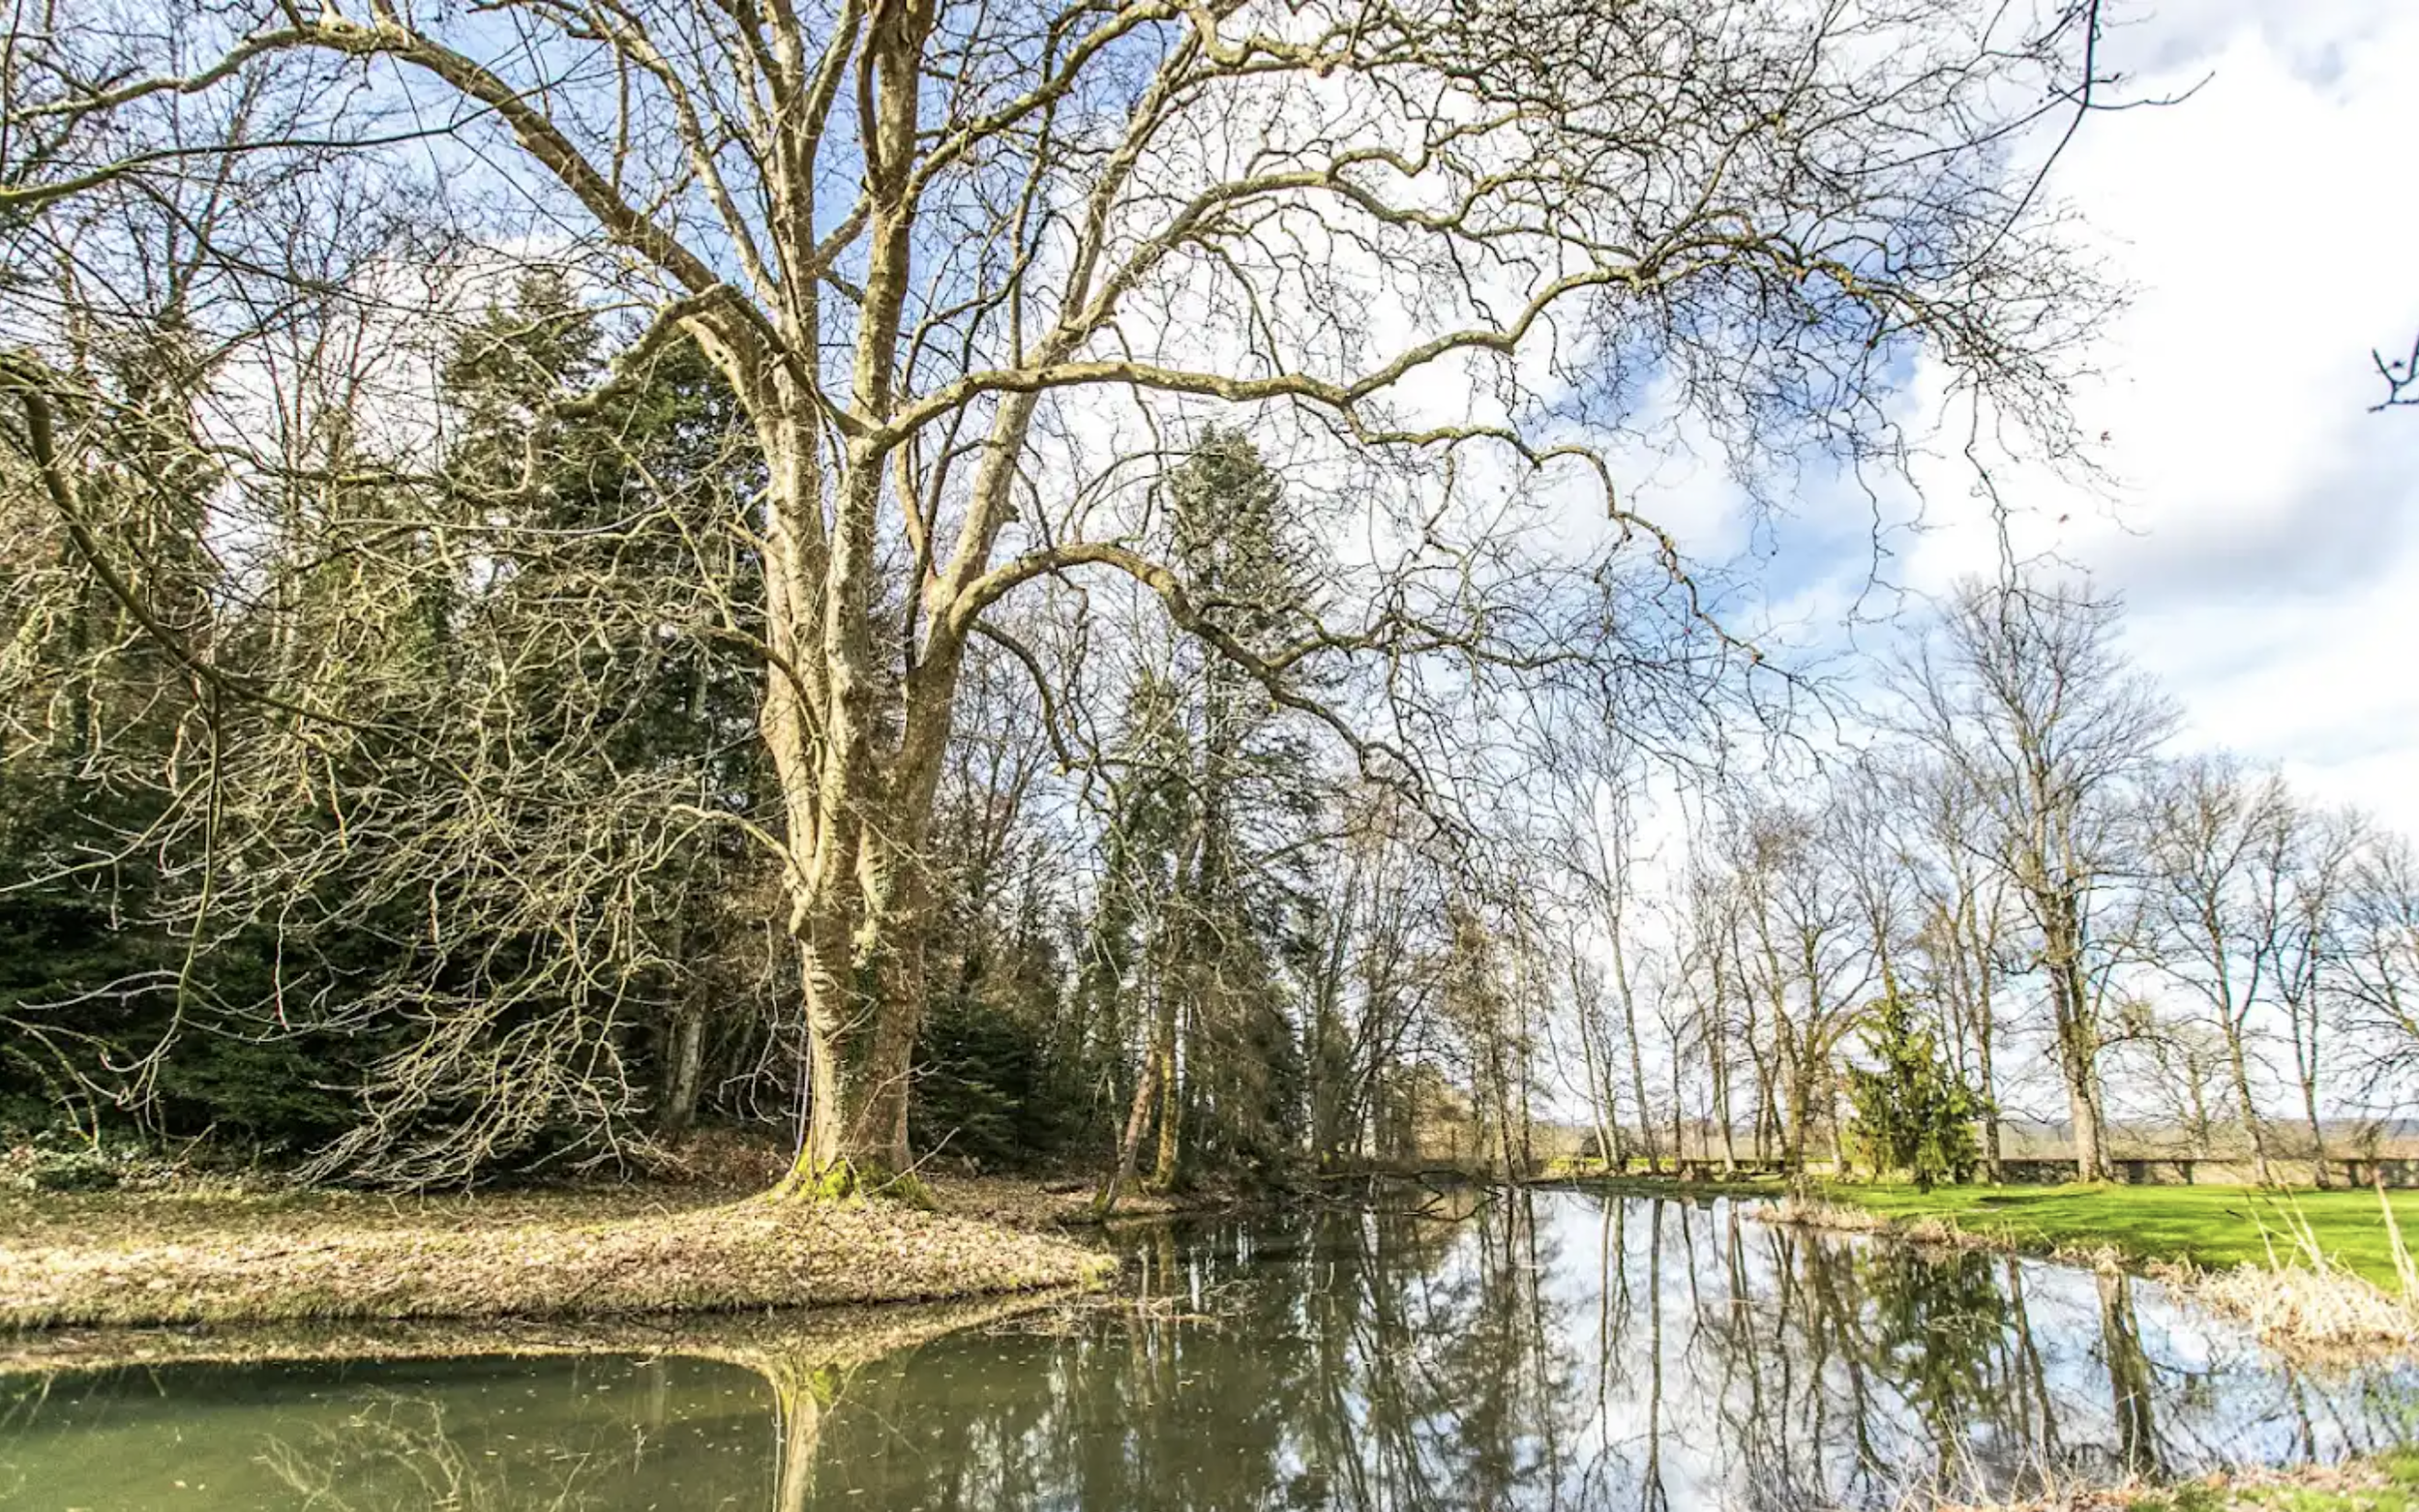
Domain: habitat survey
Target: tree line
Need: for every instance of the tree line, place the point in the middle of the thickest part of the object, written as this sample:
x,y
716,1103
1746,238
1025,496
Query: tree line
x,y
961,581
510,913
2009,894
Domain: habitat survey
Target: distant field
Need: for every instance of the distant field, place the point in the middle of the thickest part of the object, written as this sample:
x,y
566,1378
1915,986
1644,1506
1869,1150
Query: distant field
x,y
2211,1227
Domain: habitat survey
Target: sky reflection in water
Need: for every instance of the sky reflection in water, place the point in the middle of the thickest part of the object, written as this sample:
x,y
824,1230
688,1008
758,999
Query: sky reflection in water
x,y
1556,1350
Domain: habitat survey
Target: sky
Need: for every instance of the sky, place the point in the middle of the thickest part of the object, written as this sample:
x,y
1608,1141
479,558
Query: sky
x,y
2261,525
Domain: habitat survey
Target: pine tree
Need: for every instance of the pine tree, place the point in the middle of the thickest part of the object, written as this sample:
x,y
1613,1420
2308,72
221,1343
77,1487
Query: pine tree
x,y
1913,1112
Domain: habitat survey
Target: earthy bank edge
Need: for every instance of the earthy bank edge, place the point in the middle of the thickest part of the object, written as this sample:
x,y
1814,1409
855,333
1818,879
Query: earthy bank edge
x,y
2209,1226
838,1337
124,1260
2299,1297
2212,1227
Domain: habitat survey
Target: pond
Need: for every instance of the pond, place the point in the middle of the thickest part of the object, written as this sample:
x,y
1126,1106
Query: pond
x,y
1542,1350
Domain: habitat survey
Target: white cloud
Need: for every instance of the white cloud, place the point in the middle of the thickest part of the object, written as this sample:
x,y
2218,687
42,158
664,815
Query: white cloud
x,y
2261,525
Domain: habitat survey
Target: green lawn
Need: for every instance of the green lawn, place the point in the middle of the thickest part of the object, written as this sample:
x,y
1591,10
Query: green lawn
x,y
2213,1227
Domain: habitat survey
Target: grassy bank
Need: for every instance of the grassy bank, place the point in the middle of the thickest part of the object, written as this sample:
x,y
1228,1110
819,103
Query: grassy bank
x,y
160,1258
2208,1228
2387,1483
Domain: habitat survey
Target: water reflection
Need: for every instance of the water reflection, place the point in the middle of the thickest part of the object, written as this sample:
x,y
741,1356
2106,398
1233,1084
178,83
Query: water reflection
x,y
1544,1350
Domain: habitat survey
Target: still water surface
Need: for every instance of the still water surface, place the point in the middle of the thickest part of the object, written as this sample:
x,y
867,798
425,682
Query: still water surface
x,y
1554,1349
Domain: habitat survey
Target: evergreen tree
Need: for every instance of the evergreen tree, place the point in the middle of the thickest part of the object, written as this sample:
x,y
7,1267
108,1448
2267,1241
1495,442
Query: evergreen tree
x,y
1249,795
1913,1112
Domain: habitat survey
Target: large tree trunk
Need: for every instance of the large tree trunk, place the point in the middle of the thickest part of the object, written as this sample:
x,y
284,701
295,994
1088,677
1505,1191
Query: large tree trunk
x,y
1799,1092
798,1417
863,981
2078,1033
2082,1100
2131,1381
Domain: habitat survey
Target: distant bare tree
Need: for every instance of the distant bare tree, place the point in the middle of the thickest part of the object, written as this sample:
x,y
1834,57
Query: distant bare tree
x,y
1597,795
2219,842
2379,983
2023,691
2322,852
1805,957
1707,968
1966,932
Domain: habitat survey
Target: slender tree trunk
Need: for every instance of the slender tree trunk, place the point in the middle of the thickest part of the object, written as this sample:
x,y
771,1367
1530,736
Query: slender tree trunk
x,y
1992,1171
1177,983
1767,1113
1675,1151
1506,1150
686,1071
1637,1082
1717,1067
1630,1029
1164,1167
1601,1109
1130,1144
2317,1133
2236,1064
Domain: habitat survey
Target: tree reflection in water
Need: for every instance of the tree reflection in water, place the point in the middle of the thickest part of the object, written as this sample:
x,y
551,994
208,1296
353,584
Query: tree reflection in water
x,y
1557,1349
1551,1349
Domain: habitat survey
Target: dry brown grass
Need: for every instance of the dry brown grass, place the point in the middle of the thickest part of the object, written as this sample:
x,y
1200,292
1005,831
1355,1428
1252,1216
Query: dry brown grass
x,y
2304,1307
2381,1484
1927,1232
163,1259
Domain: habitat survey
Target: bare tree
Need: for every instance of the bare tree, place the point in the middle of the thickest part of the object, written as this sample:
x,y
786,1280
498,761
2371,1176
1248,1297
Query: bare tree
x,y
1597,795
2379,980
2218,844
2319,854
959,266
2023,692
1805,958
1707,959
1965,938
